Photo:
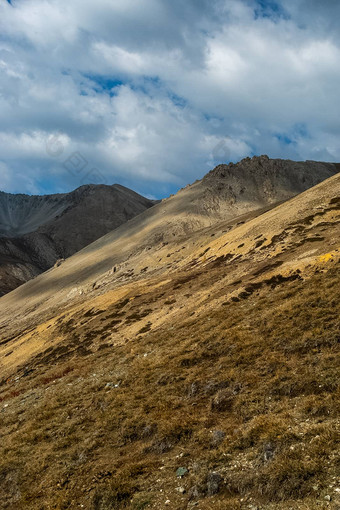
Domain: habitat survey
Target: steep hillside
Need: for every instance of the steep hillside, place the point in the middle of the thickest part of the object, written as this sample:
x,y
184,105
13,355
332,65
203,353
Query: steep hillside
x,y
170,230
198,371
36,231
66,223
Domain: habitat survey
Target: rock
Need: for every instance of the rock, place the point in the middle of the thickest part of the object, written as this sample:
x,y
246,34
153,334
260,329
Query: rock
x,y
214,482
217,437
181,471
211,387
223,401
194,389
149,431
195,467
268,451
181,490
110,385
327,498
193,493
160,445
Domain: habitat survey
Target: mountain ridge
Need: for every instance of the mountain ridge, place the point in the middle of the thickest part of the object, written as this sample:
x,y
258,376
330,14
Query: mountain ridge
x,y
37,231
144,240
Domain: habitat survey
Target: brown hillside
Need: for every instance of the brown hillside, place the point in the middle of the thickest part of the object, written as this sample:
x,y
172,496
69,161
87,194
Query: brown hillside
x,y
217,353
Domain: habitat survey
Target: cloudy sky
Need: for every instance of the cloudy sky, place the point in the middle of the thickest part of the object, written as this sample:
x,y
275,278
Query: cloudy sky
x,y
154,93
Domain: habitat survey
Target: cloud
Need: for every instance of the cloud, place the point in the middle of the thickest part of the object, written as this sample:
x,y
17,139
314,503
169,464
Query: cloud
x,y
153,94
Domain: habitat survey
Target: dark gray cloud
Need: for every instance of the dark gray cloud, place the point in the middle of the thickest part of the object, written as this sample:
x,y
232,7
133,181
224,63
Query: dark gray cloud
x,y
322,16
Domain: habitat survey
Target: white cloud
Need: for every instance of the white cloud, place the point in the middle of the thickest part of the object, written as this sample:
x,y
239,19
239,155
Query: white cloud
x,y
152,93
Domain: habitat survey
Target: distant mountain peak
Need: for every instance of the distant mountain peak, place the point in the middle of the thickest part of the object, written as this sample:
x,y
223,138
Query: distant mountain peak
x,y
37,230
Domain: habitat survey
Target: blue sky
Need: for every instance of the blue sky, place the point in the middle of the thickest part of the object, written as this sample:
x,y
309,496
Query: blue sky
x,y
152,94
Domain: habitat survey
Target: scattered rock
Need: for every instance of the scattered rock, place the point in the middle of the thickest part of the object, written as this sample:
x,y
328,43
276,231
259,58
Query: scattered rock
x,y
181,490
160,445
268,451
193,493
181,471
111,385
194,389
214,482
217,438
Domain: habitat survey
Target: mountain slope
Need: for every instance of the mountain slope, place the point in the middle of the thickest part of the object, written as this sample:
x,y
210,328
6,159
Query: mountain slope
x,y
36,231
125,257
224,194
216,353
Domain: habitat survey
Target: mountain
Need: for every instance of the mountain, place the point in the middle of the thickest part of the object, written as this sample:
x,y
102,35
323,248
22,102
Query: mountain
x,y
227,192
37,231
153,370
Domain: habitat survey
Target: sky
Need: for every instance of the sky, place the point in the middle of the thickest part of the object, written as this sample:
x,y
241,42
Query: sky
x,y
152,94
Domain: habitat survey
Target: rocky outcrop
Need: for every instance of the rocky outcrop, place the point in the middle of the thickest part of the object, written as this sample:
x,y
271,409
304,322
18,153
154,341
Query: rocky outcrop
x,y
266,181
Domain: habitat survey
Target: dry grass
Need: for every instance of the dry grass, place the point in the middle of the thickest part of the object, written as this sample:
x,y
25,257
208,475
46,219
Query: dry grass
x,y
249,391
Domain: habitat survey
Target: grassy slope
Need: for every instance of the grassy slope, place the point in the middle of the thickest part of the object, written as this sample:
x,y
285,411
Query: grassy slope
x,y
226,364
249,391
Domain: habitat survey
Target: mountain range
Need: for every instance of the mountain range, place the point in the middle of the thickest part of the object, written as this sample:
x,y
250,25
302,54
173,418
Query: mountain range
x,y
38,231
187,358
